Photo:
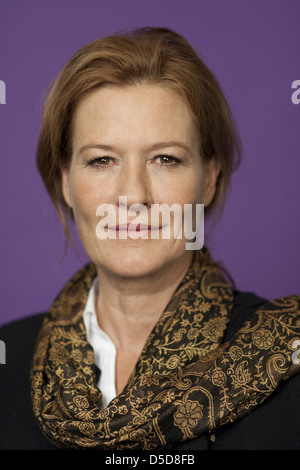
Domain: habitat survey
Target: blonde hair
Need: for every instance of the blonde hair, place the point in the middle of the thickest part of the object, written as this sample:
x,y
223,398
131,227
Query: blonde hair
x,y
152,55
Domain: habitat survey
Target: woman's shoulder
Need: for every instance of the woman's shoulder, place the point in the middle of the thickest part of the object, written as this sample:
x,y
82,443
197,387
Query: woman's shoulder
x,y
19,337
18,430
274,425
31,323
245,304
248,299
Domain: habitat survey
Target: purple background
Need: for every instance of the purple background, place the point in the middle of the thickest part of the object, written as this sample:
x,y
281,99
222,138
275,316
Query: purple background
x,y
253,49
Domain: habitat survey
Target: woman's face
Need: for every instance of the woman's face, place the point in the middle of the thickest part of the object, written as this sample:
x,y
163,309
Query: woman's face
x,y
139,142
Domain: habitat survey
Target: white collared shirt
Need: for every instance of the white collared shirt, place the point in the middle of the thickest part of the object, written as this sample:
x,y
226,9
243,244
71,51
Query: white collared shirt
x,y
104,349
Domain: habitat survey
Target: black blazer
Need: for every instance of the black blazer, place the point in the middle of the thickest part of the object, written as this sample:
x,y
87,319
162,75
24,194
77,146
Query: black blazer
x,y
274,425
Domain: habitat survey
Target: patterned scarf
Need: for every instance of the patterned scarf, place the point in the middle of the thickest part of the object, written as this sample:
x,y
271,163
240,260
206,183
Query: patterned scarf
x,y
185,382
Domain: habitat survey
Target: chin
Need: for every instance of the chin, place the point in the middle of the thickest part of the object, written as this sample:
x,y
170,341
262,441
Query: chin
x,y
136,258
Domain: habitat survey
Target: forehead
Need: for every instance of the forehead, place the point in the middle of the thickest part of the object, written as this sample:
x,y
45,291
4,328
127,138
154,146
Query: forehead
x,y
133,113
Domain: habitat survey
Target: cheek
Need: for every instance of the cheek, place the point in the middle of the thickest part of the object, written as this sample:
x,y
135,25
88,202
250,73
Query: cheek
x,y
188,189
86,195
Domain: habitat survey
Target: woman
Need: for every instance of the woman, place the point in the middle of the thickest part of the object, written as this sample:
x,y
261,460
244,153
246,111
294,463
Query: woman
x,y
149,346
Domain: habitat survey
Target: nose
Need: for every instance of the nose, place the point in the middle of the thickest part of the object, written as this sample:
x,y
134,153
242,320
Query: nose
x,y
134,183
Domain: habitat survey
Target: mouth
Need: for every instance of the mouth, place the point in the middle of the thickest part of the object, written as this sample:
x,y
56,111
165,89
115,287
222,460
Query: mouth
x,y
136,227
135,231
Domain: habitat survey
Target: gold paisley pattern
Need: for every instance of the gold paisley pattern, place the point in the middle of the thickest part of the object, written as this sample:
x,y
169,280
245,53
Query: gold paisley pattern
x,y
185,383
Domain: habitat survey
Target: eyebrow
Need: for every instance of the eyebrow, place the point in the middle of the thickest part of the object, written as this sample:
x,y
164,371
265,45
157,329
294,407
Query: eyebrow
x,y
157,146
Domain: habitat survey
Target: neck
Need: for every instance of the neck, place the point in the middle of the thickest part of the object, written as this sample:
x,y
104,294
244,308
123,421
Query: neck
x,y
128,308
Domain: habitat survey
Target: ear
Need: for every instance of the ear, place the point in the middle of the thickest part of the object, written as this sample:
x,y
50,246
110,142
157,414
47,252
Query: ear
x,y
65,182
212,171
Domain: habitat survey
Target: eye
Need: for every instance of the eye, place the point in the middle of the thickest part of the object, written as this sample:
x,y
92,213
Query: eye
x,y
99,161
167,160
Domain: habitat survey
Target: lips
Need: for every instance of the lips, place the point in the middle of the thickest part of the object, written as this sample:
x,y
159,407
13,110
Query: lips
x,y
135,231
135,227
